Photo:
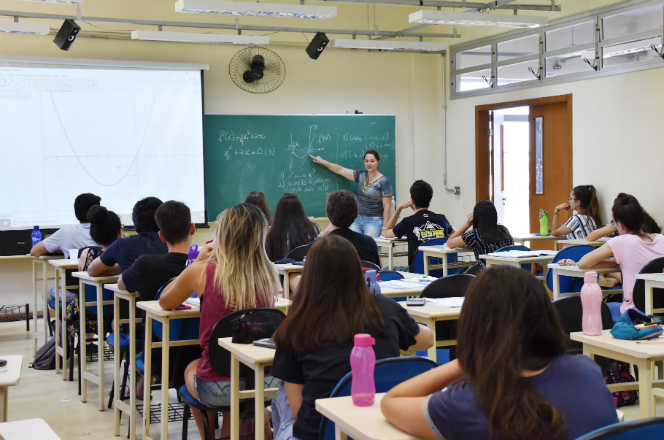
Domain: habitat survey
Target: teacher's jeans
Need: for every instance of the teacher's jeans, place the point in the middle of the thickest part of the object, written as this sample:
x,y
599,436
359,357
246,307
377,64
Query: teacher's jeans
x,y
371,226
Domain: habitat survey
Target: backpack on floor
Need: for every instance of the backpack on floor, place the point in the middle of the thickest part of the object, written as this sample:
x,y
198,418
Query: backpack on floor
x,y
619,373
45,356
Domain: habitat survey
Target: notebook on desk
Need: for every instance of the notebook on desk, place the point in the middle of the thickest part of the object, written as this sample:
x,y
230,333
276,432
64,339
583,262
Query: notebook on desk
x,y
523,254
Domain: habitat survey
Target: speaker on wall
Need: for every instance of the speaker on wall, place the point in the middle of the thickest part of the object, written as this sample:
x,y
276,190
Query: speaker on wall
x,y
67,34
317,45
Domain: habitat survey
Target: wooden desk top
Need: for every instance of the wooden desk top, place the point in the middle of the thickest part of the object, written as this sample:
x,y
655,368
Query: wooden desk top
x,y
575,271
390,241
537,259
13,374
15,257
630,348
429,311
444,249
289,267
248,353
596,243
65,263
27,429
657,277
116,289
282,303
360,423
537,237
153,308
415,290
84,276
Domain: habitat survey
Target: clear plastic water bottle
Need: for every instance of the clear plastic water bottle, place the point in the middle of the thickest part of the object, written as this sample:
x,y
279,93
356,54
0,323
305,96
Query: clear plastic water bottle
x,y
393,206
591,300
363,362
36,236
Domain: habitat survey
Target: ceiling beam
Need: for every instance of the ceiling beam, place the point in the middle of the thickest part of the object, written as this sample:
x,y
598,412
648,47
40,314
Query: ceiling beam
x,y
228,26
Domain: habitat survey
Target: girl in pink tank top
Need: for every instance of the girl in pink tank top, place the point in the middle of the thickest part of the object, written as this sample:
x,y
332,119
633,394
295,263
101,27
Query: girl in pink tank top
x,y
232,274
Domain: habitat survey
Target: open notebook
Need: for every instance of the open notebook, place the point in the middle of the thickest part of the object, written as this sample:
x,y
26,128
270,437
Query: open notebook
x,y
522,254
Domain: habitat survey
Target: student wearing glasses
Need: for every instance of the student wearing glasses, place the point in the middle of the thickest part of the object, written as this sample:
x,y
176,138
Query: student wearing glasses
x,y
583,200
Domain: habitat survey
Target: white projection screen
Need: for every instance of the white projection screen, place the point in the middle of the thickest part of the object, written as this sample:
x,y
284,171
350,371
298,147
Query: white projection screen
x,y
123,131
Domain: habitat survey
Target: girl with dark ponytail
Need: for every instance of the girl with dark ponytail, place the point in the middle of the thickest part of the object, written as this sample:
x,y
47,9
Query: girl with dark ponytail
x,y
512,379
583,200
631,250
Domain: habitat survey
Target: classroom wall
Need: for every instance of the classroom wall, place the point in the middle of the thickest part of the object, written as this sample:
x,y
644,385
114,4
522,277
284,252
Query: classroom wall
x,y
617,141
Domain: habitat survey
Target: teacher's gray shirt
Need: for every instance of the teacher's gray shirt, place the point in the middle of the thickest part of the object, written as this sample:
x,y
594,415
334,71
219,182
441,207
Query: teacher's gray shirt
x,y
370,194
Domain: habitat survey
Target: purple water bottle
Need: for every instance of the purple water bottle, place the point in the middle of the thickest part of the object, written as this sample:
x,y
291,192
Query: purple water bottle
x,y
193,254
363,362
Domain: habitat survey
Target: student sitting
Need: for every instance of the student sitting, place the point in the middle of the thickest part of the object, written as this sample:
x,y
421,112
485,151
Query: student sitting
x,y
233,275
290,228
257,198
150,272
74,237
632,249
583,200
486,236
122,254
342,209
420,227
332,304
512,379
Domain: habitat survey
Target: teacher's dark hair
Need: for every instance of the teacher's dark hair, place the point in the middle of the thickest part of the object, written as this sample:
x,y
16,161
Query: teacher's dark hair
x,y
507,325
257,198
375,154
331,303
290,228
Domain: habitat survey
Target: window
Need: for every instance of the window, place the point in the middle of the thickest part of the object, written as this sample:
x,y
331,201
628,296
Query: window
x,y
582,33
473,57
515,73
572,62
633,22
473,80
518,48
631,52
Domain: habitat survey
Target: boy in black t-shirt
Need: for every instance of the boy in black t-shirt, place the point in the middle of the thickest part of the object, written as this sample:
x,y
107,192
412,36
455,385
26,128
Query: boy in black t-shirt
x,y
150,272
420,227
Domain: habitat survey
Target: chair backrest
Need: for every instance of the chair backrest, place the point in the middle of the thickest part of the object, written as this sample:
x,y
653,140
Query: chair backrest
x,y
388,373
449,286
91,295
299,252
569,284
220,358
639,295
646,429
418,263
390,275
516,247
179,329
370,265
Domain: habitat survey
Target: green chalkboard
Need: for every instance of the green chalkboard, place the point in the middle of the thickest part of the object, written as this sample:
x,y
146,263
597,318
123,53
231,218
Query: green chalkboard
x,y
245,153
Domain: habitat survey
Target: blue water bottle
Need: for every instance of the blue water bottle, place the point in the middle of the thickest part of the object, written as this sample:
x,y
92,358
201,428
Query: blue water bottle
x,y
36,236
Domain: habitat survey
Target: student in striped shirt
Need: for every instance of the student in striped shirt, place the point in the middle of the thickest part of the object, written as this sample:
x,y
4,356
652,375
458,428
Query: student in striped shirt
x,y
583,200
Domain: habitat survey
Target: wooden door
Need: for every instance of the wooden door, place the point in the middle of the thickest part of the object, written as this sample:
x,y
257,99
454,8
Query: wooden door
x,y
556,161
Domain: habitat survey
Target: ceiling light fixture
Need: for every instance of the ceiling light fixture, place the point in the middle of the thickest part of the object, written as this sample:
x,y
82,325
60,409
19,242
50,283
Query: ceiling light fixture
x,y
69,2
25,28
477,19
406,46
190,37
255,9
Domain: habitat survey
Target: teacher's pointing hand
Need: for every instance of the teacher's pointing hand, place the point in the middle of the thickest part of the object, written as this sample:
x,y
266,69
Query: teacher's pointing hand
x,y
317,159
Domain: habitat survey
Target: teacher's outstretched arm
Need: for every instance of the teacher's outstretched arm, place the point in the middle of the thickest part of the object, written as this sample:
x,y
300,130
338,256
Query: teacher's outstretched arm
x,y
338,169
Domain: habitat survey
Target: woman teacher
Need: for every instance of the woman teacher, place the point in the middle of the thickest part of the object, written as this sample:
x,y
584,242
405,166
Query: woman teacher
x,y
374,193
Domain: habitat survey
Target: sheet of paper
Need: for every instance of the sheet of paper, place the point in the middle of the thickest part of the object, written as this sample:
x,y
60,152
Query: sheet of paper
x,y
453,302
522,254
193,301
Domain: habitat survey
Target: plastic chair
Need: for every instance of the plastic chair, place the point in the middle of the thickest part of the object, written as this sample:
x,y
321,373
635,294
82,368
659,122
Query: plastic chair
x,y
299,252
370,265
639,293
220,360
568,284
570,311
647,429
388,373
516,247
418,263
390,275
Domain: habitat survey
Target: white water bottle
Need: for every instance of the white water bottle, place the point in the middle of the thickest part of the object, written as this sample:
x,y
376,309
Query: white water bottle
x,y
393,206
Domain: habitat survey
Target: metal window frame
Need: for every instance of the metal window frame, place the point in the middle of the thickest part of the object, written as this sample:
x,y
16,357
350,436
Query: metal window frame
x,y
600,71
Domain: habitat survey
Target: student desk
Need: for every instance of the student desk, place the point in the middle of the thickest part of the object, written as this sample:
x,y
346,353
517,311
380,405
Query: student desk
x,y
98,284
522,239
641,355
120,405
61,267
429,314
573,271
441,252
286,270
256,358
36,262
9,378
359,422
27,429
282,304
390,244
652,281
398,293
154,312
597,243
516,262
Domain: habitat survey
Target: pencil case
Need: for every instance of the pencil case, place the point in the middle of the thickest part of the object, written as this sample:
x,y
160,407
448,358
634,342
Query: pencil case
x,y
631,324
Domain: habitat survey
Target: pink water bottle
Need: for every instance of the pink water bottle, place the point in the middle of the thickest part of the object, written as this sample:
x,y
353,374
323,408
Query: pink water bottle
x,y
591,300
363,362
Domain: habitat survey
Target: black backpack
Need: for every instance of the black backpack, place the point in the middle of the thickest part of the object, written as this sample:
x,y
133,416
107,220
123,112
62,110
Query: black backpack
x,y
45,356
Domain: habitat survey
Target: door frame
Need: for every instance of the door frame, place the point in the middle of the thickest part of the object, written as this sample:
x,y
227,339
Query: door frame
x,y
482,147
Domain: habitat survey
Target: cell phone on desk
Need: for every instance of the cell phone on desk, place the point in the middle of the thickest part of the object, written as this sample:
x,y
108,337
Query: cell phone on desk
x,y
182,307
265,342
416,302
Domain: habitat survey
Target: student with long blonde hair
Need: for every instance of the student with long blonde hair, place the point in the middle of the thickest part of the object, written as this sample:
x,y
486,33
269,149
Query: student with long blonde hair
x,y
233,274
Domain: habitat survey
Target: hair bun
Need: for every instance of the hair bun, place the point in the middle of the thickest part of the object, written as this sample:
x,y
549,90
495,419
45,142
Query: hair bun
x,y
97,214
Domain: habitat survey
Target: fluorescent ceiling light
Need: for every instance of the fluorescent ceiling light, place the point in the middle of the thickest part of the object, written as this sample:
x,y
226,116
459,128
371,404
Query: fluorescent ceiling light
x,y
25,28
255,9
70,2
408,46
189,37
477,19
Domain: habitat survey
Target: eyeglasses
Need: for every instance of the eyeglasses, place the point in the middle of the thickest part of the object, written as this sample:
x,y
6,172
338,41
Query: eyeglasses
x,y
569,199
